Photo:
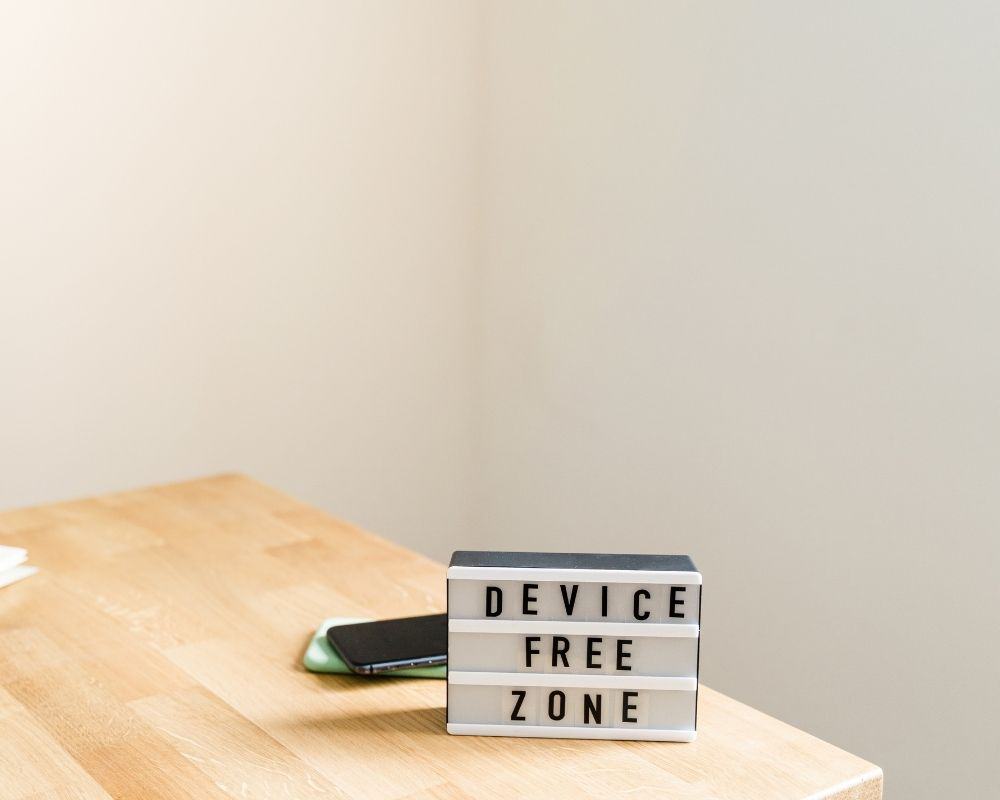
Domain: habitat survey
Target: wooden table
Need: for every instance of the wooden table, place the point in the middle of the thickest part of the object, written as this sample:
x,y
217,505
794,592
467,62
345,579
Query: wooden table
x,y
158,654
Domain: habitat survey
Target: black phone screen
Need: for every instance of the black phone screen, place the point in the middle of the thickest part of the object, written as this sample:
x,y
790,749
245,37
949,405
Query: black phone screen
x,y
392,643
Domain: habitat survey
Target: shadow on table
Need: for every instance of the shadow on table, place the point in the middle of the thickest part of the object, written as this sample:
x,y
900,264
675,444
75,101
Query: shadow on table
x,y
413,721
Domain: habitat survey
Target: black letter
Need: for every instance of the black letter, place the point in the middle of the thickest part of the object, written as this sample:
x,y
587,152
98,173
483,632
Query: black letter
x,y
589,707
494,593
519,694
604,601
635,604
552,705
558,650
622,654
674,602
627,706
527,598
570,601
529,651
592,652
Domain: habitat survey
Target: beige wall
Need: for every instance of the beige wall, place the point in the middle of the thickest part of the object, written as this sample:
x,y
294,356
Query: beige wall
x,y
645,276
239,236
741,300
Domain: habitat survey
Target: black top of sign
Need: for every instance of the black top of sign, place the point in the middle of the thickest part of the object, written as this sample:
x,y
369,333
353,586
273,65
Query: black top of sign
x,y
623,561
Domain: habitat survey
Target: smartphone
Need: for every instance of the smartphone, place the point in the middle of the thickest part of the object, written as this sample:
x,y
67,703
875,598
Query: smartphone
x,y
385,645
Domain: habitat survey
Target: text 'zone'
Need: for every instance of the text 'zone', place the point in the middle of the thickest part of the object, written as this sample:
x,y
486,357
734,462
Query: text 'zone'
x,y
591,708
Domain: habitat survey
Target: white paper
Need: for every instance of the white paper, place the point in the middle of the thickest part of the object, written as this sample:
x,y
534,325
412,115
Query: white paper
x,y
9,576
11,556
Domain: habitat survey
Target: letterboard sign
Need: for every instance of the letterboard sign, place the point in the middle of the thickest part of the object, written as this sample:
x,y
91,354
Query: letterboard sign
x,y
573,645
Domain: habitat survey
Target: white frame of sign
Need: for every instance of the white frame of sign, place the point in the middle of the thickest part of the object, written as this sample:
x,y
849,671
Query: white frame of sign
x,y
541,643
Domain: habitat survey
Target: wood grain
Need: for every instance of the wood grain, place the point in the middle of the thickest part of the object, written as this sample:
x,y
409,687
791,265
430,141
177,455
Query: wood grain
x,y
157,654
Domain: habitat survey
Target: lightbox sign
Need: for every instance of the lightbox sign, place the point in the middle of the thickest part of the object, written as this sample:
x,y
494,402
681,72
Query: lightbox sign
x,y
573,645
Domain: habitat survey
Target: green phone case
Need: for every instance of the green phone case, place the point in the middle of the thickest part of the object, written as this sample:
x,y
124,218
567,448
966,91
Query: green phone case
x,y
320,657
